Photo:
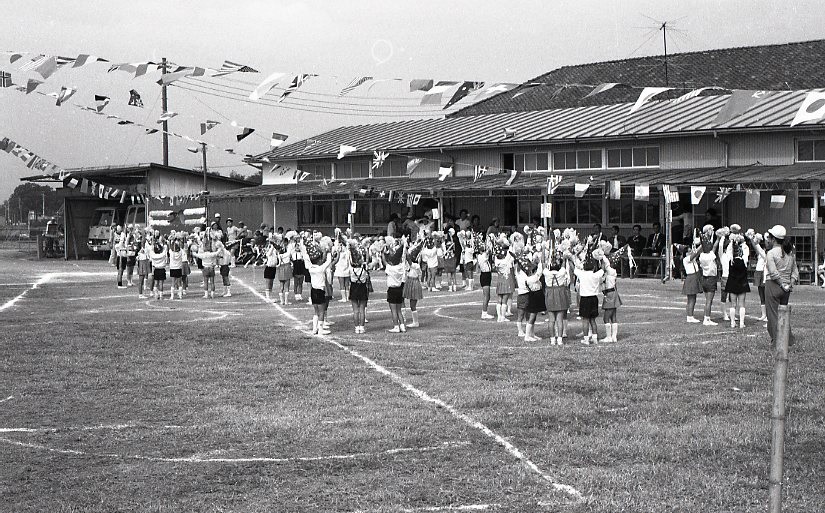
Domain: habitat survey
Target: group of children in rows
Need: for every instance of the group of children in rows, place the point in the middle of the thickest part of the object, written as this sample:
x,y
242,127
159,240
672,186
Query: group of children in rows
x,y
153,254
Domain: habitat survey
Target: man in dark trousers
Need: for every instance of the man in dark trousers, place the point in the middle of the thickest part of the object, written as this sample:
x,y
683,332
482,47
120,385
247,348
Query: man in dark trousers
x,y
637,244
655,245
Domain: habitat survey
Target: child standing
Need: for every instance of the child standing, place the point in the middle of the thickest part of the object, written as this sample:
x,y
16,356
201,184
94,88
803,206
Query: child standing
x,y
556,297
413,291
503,264
224,261
158,254
343,271
429,259
707,263
467,258
485,278
395,256
358,290
589,278
144,265
756,242
317,263
530,272
450,261
692,286
209,258
611,302
737,286
176,257
271,260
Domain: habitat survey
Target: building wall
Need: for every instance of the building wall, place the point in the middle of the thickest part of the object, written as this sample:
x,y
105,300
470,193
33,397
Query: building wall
x,y
268,176
285,214
248,210
166,183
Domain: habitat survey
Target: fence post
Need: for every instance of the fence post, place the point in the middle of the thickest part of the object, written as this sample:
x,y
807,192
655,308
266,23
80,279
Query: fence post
x,y
780,381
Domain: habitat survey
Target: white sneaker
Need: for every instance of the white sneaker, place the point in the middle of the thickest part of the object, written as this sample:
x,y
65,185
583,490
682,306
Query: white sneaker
x,y
395,330
708,322
693,319
486,316
206,295
522,334
324,331
228,294
141,296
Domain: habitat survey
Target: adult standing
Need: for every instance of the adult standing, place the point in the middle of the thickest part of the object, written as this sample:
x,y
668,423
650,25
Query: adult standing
x,y
494,227
781,274
463,222
475,224
410,227
392,225
655,246
637,244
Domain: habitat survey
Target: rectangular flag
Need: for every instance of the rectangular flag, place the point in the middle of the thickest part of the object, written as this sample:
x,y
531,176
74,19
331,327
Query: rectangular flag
x,y
740,101
671,194
547,210
581,188
101,102
421,84
642,192
353,205
72,183
245,132
378,158
277,139
65,94
416,199
513,177
445,169
233,67
344,150
433,96
293,86
413,163
478,172
134,99
614,189
723,193
777,200
752,198
811,109
696,193
166,116
553,182
5,80
47,67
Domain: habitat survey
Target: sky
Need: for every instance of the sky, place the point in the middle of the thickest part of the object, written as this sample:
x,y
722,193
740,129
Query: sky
x,y
482,40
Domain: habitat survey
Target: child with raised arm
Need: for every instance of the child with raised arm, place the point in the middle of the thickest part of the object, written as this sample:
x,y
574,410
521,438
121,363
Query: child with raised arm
x,y
589,277
316,262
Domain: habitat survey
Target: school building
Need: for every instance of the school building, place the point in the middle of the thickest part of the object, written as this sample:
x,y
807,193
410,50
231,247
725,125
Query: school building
x,y
547,126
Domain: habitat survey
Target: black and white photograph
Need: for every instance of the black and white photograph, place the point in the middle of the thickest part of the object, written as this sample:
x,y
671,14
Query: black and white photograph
x,y
426,256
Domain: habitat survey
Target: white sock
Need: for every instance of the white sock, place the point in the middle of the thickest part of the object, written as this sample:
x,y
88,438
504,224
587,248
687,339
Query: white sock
x,y
615,331
741,316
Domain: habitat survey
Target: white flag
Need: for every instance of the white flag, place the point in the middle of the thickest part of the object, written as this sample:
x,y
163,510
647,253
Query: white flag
x,y
265,86
647,94
812,108
696,193
345,150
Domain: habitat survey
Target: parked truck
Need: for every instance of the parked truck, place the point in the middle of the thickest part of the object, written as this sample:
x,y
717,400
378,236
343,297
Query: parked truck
x,y
105,219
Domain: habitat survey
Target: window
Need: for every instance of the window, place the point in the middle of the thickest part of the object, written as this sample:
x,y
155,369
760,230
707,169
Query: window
x,y
382,210
362,211
314,212
647,156
810,150
530,162
317,171
806,207
581,159
352,169
391,167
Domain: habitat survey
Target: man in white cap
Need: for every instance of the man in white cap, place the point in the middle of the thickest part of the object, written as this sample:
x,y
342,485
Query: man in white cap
x,y
781,274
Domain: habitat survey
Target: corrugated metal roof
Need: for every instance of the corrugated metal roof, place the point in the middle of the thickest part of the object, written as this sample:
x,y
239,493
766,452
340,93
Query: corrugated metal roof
x,y
743,175
128,169
656,118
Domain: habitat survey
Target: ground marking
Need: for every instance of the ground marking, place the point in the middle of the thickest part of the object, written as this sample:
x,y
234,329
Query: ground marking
x,y
466,507
41,281
112,427
9,398
510,448
199,459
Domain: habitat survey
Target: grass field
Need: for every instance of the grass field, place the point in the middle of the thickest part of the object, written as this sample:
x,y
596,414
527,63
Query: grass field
x,y
108,403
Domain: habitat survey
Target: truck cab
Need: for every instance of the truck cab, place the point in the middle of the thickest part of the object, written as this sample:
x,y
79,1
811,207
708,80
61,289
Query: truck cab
x,y
105,219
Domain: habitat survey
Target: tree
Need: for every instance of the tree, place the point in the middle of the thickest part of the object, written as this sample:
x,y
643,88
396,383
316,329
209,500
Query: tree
x,y
32,196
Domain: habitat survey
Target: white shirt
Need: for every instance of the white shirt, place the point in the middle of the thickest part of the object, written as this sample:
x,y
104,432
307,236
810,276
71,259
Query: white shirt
x,y
589,281
707,261
395,274
318,273
561,278
690,265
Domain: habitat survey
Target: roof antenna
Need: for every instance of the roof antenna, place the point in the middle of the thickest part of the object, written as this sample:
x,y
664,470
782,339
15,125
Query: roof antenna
x,y
663,28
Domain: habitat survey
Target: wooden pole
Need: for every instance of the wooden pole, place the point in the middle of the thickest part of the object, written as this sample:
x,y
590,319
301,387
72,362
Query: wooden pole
x,y
441,210
780,381
164,106
816,234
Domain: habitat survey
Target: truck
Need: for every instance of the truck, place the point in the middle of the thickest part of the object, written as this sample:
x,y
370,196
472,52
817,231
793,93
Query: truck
x,y
104,219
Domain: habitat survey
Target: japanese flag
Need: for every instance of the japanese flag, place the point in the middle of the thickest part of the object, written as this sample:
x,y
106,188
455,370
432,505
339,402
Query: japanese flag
x,y
812,108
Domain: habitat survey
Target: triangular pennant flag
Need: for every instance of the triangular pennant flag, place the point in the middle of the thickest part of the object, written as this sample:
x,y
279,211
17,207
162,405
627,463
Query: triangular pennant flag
x,y
614,189
365,190
478,172
277,139
647,94
421,84
72,183
101,102
696,193
208,125
32,84
168,78
125,122
245,132
134,99
752,198
526,88
232,67
378,158
47,68
416,199
433,96
777,200
37,61
723,193
357,81
345,150
65,94
514,174
494,90
695,93
445,169
463,90
581,188
192,149
150,131
553,182
412,163
293,86
166,116
303,176
740,101
265,86
84,59
601,88
142,68
811,109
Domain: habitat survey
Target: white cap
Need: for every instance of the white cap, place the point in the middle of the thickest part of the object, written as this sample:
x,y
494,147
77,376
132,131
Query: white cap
x,y
778,232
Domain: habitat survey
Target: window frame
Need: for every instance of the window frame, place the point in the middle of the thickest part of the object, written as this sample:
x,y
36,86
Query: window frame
x,y
633,150
575,156
813,141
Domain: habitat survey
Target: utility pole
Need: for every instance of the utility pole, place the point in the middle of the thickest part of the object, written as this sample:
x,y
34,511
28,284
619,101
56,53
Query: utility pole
x,y
205,192
164,106
44,203
664,40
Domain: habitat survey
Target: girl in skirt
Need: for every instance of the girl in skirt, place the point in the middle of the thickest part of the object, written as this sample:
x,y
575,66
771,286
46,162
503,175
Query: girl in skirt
x,y
358,290
485,277
692,285
467,258
144,267
316,261
413,291
284,272
611,300
556,296
159,257
298,269
531,273
449,260
429,262
395,256
186,268
589,278
737,285
224,261
503,263
707,263
271,267
176,257
208,255
723,235
342,270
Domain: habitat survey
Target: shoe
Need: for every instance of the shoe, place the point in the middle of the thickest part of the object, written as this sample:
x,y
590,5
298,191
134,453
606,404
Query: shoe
x,y
403,328
357,330
206,295
395,330
185,292
693,319
521,334
121,286
764,318
342,300
130,284
486,316
413,324
708,322
585,341
141,296
324,331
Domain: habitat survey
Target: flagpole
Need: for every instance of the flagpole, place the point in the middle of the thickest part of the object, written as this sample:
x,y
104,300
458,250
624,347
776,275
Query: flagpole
x,y
816,192
165,124
205,183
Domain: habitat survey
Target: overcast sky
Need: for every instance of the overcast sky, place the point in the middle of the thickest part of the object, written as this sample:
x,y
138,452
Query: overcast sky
x,y
506,41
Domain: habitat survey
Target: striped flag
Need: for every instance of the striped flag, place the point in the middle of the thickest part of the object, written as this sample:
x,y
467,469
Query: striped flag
x,y
293,86
413,163
84,59
357,81
581,188
277,139
478,172
514,174
553,182
62,61
233,67
37,61
208,125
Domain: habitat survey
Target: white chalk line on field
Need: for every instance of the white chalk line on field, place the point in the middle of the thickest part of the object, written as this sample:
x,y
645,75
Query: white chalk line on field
x,y
423,396
41,281
9,398
463,507
101,427
201,459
